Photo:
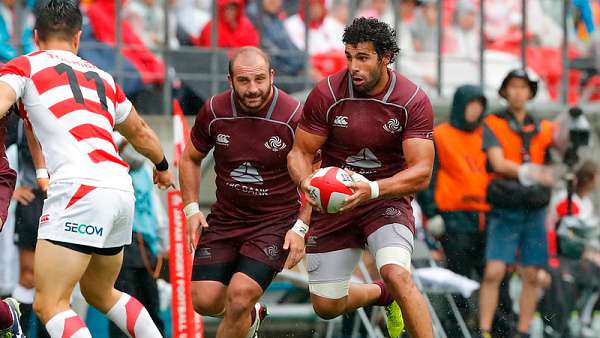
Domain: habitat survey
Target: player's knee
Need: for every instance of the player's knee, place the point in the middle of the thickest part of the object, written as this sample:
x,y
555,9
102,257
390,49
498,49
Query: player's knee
x,y
207,306
240,299
327,308
395,275
93,297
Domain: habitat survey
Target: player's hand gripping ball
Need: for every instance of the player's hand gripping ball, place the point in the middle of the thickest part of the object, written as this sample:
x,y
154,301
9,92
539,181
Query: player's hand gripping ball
x,y
329,188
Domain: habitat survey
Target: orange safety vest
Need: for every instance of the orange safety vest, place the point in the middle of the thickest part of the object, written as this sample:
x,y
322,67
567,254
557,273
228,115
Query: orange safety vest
x,y
461,180
512,142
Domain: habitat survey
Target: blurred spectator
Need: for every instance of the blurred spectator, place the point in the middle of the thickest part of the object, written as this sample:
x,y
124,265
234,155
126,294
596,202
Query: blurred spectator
x,y
322,38
9,26
286,58
234,28
141,65
141,259
424,27
408,9
462,38
586,182
380,9
191,18
516,144
455,202
503,20
147,18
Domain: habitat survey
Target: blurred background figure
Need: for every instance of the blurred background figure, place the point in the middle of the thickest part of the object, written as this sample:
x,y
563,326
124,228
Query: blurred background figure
x,y
234,29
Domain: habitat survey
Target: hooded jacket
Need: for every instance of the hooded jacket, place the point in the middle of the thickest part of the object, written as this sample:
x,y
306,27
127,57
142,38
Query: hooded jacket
x,y
243,34
459,181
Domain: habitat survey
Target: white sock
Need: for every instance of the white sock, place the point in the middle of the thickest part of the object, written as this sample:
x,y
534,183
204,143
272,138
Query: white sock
x,y
133,318
67,324
23,295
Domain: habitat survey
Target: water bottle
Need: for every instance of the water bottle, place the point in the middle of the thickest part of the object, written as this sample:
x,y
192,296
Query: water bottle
x,y
574,325
596,323
537,326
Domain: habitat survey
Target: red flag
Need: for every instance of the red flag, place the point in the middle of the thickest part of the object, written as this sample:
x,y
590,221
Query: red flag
x,y
181,132
186,322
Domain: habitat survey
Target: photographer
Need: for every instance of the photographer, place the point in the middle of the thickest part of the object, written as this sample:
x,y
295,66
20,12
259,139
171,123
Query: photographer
x,y
517,145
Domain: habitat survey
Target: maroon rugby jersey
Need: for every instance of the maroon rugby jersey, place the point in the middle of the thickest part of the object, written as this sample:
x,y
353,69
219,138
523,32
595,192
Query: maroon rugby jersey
x,y
250,153
365,133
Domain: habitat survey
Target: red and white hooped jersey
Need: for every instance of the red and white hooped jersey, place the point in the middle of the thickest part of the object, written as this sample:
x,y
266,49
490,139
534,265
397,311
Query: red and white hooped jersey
x,y
73,107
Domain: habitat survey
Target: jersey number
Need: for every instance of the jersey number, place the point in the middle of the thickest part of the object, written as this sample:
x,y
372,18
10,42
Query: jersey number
x,y
74,84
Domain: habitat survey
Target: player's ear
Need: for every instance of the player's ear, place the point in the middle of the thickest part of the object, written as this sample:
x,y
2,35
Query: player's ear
x,y
230,80
77,41
386,58
36,38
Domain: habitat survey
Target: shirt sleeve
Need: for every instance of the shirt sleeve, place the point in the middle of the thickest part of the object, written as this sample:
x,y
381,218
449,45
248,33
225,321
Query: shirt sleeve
x,y
200,134
314,114
420,118
489,139
122,107
16,74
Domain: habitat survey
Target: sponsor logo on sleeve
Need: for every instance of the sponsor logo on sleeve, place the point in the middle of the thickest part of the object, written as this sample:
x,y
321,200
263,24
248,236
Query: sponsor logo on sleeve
x,y
341,121
223,139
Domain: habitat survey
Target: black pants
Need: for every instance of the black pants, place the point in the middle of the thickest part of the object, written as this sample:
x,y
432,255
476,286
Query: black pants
x,y
135,280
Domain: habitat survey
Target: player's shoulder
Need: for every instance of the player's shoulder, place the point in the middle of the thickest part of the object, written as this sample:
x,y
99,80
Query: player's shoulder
x,y
332,88
218,105
407,93
287,107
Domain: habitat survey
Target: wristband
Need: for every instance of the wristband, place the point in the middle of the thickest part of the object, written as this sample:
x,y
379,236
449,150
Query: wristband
x,y
300,228
374,189
191,209
162,165
41,173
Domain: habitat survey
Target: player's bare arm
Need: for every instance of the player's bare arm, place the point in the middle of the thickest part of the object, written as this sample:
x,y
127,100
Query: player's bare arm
x,y
7,98
190,176
301,158
146,142
419,154
39,162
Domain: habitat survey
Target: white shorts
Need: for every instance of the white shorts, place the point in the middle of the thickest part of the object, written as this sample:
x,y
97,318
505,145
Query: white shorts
x,y
85,215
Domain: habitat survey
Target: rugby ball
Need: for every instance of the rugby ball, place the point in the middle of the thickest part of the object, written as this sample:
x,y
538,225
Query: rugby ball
x,y
328,188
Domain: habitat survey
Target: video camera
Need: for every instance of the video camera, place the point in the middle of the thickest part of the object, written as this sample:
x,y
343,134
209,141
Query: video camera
x,y
579,135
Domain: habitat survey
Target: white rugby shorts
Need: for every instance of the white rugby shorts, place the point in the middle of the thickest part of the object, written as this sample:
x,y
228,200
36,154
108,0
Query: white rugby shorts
x,y
85,215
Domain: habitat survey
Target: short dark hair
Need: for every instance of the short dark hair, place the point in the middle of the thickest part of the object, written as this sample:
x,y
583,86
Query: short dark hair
x,y
248,50
372,30
586,173
60,19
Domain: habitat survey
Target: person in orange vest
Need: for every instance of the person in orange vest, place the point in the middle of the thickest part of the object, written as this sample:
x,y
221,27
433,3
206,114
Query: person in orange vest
x,y
516,144
455,202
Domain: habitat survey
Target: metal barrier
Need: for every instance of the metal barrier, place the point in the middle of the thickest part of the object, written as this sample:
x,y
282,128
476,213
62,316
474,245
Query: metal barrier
x,y
214,74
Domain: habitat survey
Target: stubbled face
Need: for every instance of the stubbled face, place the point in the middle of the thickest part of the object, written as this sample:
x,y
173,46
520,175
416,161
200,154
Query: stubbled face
x,y
473,111
272,6
230,13
517,92
364,65
467,21
251,81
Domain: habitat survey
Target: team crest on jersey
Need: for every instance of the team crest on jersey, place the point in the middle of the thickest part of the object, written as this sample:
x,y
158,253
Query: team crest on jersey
x,y
223,139
392,126
391,212
275,143
272,251
341,121
246,173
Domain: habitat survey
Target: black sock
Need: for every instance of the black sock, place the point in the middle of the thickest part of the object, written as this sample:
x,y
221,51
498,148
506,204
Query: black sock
x,y
26,313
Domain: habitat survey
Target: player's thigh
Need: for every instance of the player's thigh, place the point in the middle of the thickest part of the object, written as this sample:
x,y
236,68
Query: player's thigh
x,y
98,281
391,244
56,271
208,297
329,274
